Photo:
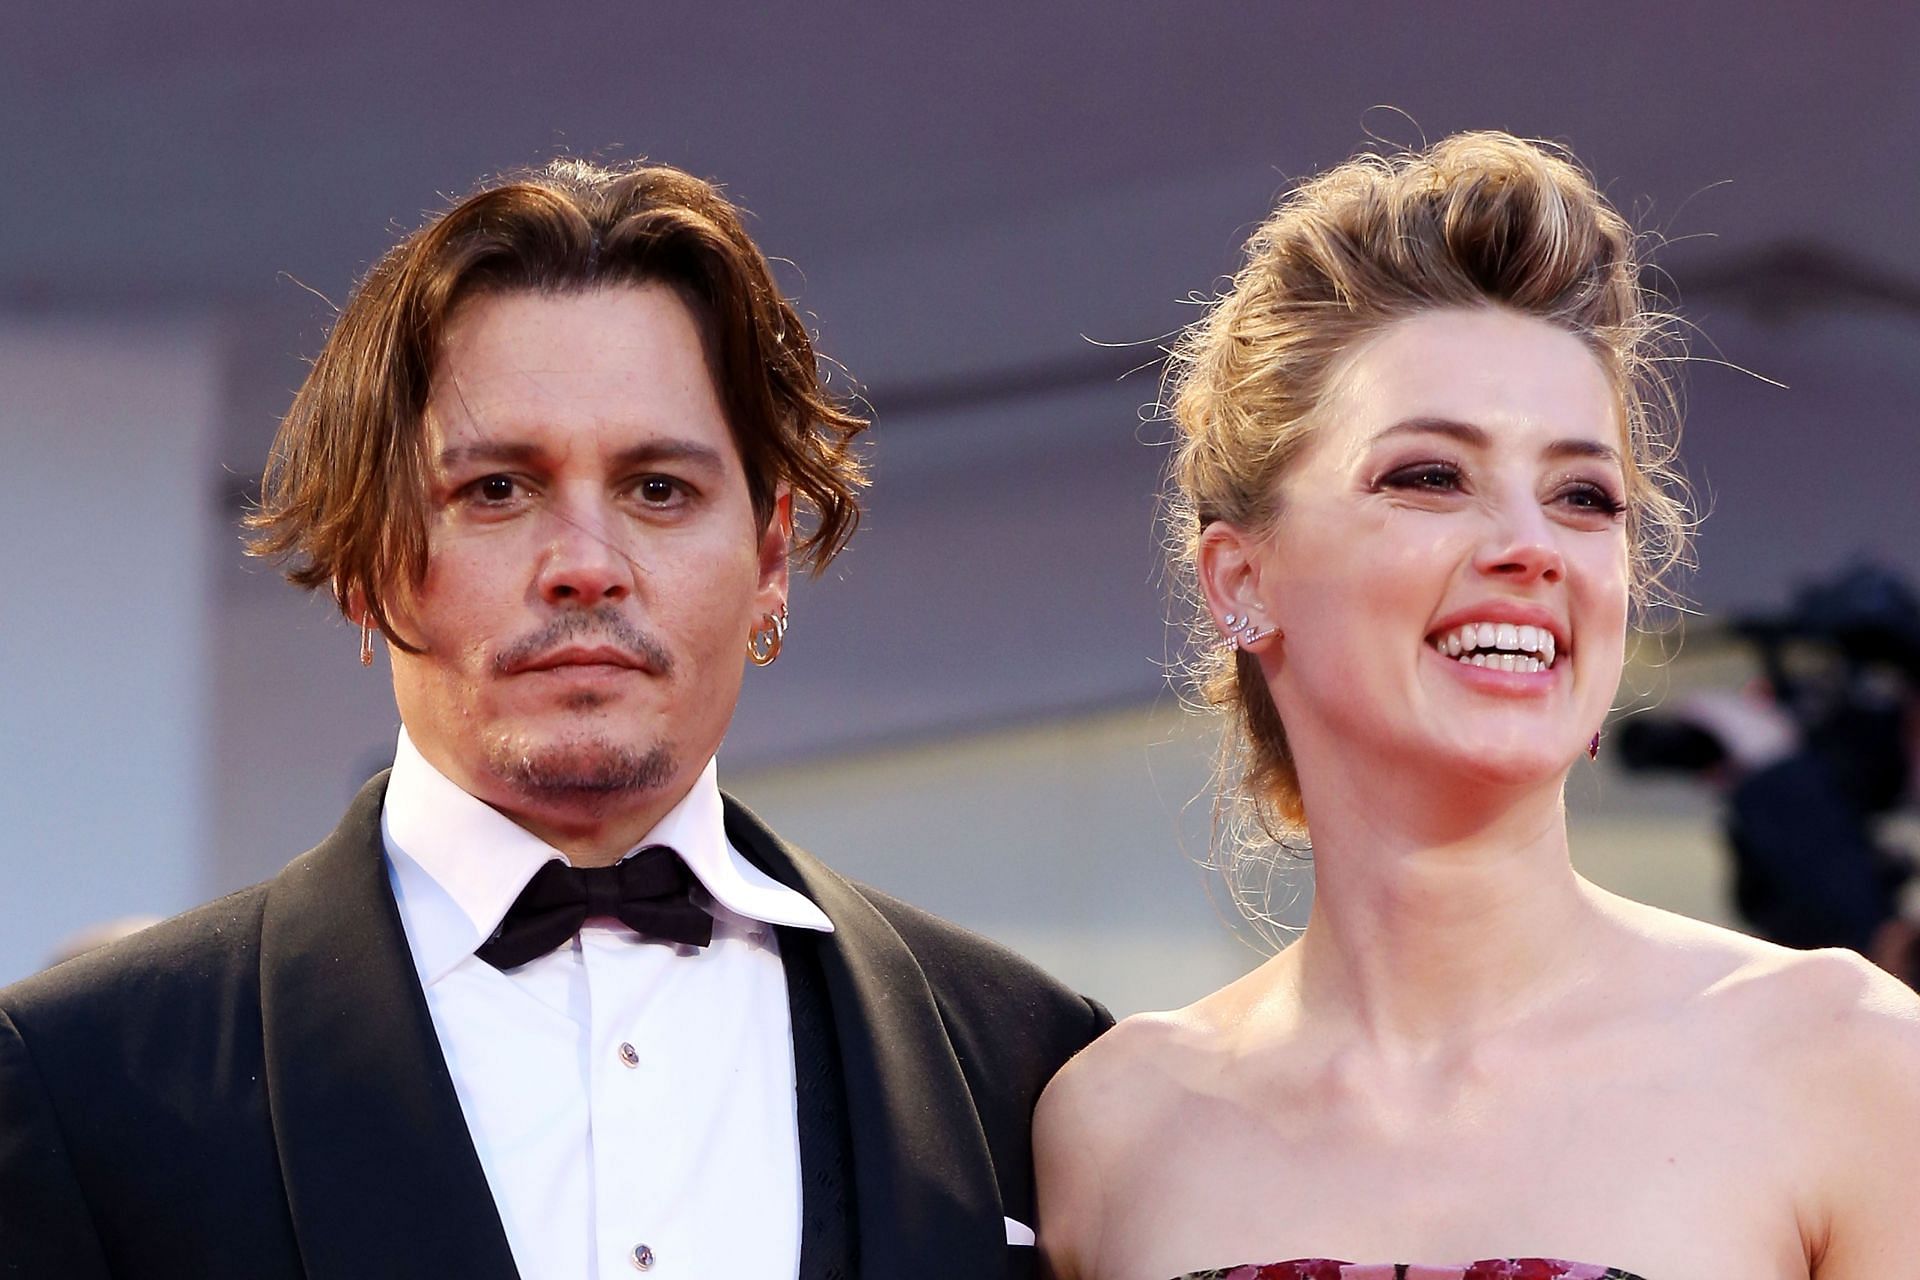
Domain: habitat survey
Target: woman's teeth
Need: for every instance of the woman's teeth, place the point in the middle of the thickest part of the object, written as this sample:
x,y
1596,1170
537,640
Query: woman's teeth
x,y
1504,646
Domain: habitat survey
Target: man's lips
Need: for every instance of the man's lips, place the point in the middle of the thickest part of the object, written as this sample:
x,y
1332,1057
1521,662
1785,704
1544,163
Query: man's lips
x,y
573,658
600,639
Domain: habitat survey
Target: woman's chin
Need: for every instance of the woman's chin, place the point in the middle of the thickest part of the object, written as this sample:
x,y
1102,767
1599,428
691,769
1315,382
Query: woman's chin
x,y
1504,766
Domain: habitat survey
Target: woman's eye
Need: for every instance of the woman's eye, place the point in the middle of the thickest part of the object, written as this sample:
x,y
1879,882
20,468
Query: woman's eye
x,y
1424,475
1592,497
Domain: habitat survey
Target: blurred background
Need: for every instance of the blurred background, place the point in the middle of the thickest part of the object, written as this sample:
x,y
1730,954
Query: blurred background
x,y
994,214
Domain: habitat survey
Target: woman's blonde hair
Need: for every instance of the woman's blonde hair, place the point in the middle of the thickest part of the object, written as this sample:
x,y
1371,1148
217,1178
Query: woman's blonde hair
x,y
1477,220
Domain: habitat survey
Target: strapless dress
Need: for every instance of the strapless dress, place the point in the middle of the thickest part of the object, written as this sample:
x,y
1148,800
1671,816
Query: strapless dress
x,y
1491,1269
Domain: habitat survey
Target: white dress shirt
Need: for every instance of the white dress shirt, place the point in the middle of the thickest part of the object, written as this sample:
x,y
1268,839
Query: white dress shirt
x,y
631,1102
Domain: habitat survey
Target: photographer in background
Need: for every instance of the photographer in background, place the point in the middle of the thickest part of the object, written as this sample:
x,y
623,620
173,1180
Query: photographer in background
x,y
1810,760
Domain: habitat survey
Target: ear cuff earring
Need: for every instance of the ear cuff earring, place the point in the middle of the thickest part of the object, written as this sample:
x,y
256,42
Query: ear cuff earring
x,y
1242,631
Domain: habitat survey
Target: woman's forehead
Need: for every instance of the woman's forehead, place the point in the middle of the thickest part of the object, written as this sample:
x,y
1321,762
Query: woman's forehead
x,y
1511,378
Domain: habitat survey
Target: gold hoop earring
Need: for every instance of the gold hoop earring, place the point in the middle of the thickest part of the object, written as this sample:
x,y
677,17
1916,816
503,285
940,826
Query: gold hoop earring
x,y
764,645
366,642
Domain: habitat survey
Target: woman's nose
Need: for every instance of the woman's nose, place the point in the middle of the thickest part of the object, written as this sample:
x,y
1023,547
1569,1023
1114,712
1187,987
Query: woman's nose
x,y
1521,544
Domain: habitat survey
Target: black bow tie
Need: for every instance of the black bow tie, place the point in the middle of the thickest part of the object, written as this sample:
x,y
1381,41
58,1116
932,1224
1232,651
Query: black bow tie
x,y
647,892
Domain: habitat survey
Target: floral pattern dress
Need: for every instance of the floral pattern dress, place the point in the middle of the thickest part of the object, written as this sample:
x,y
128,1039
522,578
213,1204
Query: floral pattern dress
x,y
1492,1269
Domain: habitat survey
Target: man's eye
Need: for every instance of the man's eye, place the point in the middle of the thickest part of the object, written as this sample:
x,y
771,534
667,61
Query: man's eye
x,y
657,490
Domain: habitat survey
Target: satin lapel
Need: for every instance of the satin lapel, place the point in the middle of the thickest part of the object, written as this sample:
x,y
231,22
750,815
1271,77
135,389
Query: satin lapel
x,y
381,1174
924,1185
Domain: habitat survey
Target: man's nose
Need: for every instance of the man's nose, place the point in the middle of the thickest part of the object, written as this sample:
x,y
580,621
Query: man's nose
x,y
582,561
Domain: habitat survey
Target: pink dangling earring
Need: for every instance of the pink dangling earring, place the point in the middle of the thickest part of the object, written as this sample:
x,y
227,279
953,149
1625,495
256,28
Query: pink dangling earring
x,y
1593,748
366,642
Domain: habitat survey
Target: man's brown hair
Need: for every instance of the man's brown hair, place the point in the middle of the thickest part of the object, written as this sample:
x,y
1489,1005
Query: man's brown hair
x,y
344,495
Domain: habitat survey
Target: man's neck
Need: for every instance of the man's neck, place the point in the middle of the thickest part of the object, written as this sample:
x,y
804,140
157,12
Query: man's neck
x,y
594,841
592,828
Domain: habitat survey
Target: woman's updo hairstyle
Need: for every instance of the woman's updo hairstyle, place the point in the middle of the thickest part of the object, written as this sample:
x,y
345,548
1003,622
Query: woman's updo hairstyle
x,y
1477,220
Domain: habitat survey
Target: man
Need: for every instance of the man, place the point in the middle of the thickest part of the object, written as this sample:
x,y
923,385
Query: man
x,y
545,1003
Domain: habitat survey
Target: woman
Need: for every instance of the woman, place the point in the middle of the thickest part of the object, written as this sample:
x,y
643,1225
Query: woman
x,y
1421,480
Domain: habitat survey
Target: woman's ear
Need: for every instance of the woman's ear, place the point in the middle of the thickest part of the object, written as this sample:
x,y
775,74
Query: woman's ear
x,y
1229,570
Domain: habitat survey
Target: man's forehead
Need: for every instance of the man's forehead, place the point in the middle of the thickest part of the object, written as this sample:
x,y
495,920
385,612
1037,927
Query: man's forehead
x,y
622,326
615,375
465,431
588,392
556,408
532,348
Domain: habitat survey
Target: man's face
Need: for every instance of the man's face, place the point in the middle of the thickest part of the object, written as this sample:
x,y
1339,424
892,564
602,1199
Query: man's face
x,y
594,564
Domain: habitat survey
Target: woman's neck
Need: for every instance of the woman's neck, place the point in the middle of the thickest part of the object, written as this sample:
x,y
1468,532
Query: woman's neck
x,y
1438,925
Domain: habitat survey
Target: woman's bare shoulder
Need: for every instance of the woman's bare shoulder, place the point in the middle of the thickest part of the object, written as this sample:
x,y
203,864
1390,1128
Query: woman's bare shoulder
x,y
1142,1065
1827,1028
1126,1086
1856,1027
1761,987
1824,1044
1107,1119
1772,985
1846,1041
1777,1018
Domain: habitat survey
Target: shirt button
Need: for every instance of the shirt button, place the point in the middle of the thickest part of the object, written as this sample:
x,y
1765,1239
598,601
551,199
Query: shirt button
x,y
642,1257
630,1056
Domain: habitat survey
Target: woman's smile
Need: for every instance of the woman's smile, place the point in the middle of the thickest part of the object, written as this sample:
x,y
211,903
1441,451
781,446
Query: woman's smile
x,y
1511,649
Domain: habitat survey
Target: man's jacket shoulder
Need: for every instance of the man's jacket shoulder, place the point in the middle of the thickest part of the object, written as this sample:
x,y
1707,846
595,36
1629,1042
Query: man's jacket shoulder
x,y
976,974
171,974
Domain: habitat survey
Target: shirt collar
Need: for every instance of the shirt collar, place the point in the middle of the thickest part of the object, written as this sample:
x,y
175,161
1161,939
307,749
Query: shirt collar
x,y
457,863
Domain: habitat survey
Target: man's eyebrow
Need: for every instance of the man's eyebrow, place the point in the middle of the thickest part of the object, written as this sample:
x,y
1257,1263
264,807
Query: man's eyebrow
x,y
700,455
457,456
1468,434
520,453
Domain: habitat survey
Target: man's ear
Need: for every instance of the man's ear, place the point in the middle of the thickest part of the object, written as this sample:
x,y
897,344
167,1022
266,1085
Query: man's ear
x,y
1230,572
776,550
353,607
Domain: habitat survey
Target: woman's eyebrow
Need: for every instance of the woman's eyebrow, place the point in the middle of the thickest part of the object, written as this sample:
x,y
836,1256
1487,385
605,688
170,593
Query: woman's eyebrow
x,y
1478,437
1579,448
1464,432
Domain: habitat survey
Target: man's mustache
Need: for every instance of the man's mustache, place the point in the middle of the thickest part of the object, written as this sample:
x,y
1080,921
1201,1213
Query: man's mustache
x,y
602,625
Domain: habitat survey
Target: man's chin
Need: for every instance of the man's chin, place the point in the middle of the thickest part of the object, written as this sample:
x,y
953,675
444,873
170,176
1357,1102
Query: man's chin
x,y
586,773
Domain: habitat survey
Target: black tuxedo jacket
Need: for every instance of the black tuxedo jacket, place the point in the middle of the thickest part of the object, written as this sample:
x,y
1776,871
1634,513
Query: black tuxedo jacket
x,y
254,1090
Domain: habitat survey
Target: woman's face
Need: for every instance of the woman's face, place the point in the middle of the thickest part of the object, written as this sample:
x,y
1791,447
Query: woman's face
x,y
1449,568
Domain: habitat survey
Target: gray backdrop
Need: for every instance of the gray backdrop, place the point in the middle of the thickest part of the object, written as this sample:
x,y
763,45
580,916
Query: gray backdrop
x,y
993,213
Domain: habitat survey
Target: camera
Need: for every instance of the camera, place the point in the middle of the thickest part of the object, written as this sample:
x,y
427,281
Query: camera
x,y
1807,777
1843,662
